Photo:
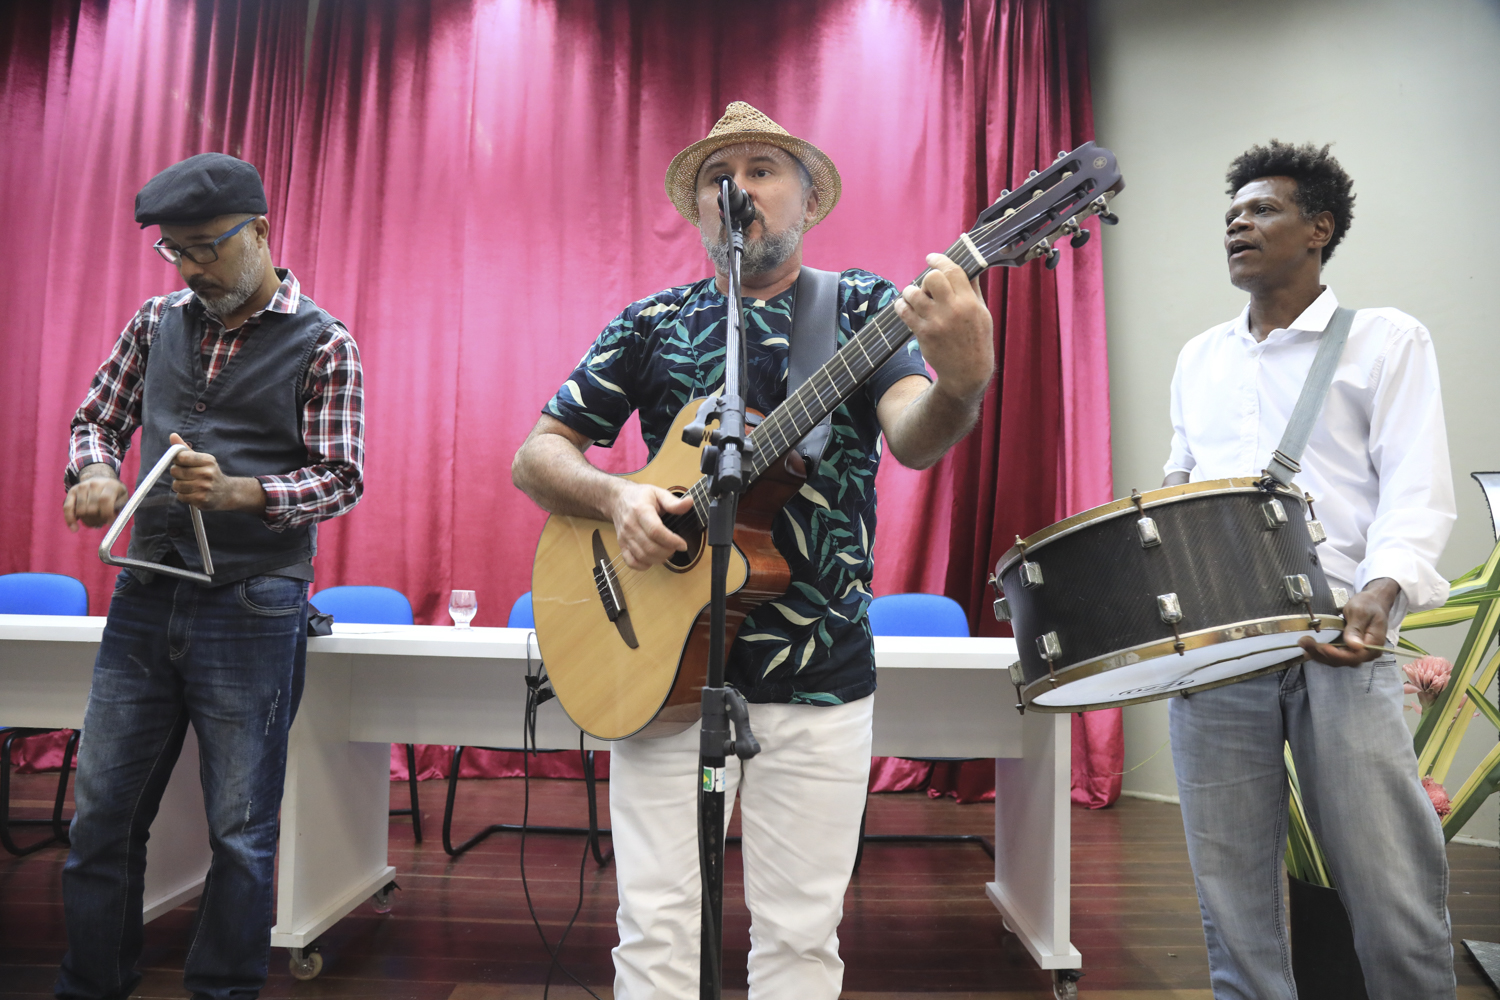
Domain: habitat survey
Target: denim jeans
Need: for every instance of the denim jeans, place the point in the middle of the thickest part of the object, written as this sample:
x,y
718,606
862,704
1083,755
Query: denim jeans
x,y
229,661
1365,804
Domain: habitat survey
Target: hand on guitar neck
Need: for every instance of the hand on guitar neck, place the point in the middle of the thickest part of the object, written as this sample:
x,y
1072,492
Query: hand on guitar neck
x,y
954,329
551,469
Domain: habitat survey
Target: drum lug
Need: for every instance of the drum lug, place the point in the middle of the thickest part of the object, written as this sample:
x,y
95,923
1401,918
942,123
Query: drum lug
x,y
1146,528
1340,597
1170,609
1298,588
1016,676
1031,574
1049,648
1275,513
1315,529
1002,610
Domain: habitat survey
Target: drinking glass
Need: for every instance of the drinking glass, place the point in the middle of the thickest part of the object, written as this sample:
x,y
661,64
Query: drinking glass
x,y
462,607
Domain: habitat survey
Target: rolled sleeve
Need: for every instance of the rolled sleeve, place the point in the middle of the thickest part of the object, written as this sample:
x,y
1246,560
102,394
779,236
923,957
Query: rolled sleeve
x,y
595,401
111,411
333,431
1409,451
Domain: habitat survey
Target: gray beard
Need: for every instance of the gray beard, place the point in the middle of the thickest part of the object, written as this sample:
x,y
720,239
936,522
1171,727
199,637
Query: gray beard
x,y
761,256
244,287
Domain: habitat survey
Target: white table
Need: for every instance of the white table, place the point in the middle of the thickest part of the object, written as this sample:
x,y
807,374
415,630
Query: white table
x,y
46,667
371,685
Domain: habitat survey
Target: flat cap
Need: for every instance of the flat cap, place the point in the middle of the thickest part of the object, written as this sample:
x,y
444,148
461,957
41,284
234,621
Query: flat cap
x,y
201,187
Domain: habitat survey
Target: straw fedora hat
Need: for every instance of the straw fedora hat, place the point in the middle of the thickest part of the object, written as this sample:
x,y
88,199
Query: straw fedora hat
x,y
742,123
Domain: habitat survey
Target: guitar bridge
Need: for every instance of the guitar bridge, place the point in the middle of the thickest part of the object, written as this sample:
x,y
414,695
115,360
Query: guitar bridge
x,y
610,594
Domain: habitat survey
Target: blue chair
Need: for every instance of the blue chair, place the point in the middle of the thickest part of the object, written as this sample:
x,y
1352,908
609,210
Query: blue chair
x,y
520,613
521,617
920,615
37,594
917,614
377,606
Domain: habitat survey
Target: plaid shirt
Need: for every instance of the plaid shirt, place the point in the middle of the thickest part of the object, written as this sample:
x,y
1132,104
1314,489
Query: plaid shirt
x,y
333,423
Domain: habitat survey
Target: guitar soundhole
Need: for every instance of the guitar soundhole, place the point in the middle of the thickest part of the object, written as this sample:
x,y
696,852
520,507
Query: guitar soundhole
x,y
681,562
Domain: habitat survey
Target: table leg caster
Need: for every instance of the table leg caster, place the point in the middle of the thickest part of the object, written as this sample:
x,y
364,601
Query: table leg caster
x,y
1065,983
383,900
304,963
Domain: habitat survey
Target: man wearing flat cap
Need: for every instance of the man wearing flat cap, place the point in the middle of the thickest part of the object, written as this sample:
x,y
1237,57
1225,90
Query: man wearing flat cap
x,y
265,389
804,660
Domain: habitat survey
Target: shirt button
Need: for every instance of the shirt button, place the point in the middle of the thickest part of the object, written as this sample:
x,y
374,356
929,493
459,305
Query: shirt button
x,y
200,407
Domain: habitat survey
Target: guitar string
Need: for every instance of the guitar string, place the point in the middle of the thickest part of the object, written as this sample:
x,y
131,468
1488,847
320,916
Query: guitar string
x,y
883,327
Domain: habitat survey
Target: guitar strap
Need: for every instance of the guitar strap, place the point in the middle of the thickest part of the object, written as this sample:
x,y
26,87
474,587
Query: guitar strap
x,y
1284,460
815,323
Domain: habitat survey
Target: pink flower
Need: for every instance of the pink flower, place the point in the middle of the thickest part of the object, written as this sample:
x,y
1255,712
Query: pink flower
x,y
1426,678
1438,795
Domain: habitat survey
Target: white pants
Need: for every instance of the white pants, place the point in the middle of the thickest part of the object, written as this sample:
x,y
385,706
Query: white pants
x,y
801,801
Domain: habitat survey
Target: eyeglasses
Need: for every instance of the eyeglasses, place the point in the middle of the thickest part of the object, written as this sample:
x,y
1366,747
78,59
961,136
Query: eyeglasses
x,y
199,253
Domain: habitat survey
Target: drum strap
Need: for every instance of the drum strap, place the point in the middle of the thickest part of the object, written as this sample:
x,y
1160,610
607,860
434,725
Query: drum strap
x,y
1284,460
815,324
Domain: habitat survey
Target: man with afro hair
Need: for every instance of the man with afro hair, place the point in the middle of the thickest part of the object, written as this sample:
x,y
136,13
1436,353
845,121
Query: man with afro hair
x,y
1377,463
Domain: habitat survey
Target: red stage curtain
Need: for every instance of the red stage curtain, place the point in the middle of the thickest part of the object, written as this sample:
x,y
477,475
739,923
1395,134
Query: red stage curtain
x,y
476,187
1041,451
96,98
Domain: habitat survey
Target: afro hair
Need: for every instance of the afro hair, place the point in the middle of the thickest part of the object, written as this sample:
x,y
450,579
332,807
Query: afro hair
x,y
1322,185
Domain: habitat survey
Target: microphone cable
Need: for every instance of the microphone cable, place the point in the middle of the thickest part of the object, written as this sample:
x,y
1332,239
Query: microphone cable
x,y
538,691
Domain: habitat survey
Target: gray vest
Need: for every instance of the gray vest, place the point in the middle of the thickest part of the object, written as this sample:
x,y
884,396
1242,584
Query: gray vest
x,y
249,418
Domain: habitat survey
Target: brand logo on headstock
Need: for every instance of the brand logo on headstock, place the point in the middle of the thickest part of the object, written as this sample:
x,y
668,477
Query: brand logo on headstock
x,y
1099,162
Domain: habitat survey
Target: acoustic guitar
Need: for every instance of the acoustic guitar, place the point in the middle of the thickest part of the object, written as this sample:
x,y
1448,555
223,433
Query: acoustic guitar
x,y
627,650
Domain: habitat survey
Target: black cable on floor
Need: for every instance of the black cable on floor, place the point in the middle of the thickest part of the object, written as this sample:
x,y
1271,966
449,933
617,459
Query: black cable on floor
x,y
537,692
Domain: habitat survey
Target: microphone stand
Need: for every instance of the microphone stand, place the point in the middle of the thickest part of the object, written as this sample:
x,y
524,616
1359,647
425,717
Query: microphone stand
x,y
722,705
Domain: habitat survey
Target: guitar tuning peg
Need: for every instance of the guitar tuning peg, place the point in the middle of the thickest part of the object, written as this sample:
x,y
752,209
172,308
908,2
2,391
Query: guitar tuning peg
x,y
1062,153
1005,192
1108,218
1031,175
1052,258
1079,239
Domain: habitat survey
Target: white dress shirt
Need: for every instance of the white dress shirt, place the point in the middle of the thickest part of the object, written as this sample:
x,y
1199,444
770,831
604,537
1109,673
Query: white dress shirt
x,y
1377,461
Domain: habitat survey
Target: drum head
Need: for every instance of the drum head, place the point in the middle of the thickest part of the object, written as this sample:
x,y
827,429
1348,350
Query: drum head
x,y
1163,676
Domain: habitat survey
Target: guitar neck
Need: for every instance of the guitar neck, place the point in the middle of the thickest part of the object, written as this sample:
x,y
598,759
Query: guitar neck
x,y
876,342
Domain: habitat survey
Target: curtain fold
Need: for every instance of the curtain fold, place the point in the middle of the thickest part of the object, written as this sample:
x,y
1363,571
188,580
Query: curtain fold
x,y
475,188
98,97
1041,451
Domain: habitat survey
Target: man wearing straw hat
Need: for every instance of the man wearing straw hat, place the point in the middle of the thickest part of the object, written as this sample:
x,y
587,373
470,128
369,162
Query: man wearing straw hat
x,y
805,660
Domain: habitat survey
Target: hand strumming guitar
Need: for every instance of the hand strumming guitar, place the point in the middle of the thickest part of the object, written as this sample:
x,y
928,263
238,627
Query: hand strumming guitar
x,y
637,513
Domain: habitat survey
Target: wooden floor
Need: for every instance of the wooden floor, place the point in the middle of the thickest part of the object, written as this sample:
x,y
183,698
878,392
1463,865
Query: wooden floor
x,y
916,919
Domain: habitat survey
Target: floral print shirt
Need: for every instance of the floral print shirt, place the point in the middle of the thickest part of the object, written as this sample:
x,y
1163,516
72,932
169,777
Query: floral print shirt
x,y
812,644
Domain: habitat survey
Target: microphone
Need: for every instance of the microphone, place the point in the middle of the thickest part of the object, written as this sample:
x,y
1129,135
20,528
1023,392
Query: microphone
x,y
741,208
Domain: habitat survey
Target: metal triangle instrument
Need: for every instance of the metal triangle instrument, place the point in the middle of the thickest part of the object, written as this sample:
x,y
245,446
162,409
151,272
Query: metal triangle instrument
x,y
134,504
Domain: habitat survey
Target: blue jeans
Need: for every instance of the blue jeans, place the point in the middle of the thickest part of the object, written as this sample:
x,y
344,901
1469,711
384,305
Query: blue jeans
x,y
1365,804
229,661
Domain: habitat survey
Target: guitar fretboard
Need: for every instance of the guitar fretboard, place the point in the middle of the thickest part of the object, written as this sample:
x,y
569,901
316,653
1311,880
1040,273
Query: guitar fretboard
x,y
876,342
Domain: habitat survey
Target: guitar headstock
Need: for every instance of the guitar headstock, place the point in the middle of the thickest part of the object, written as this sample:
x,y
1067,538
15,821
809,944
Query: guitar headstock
x,y
1026,223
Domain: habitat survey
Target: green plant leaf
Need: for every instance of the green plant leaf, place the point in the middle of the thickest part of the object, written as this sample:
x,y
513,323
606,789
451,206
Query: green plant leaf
x,y
1437,617
1480,786
1485,708
1410,646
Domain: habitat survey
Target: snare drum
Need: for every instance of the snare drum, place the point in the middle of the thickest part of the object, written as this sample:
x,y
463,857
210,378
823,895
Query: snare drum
x,y
1168,592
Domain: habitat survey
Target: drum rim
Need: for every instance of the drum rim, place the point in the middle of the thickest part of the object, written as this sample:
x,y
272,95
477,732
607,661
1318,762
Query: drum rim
x,y
1117,508
1127,702
1157,649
